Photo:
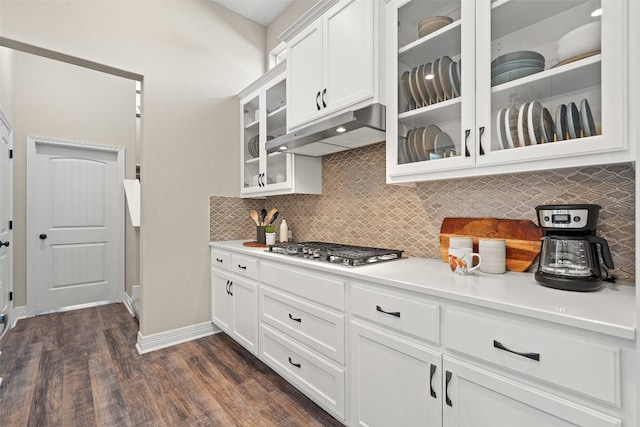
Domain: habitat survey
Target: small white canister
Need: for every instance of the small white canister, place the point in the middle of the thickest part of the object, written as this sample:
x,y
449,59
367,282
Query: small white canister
x,y
493,253
284,231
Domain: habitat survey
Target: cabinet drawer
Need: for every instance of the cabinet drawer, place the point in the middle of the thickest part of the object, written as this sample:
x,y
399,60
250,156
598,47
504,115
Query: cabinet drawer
x,y
318,328
220,259
317,378
244,266
318,287
567,361
410,315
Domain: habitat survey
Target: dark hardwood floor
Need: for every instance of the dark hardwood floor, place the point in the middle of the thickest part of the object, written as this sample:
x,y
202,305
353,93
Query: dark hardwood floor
x,y
80,368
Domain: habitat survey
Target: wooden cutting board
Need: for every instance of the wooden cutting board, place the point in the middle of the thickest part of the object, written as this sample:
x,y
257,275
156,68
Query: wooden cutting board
x,y
522,237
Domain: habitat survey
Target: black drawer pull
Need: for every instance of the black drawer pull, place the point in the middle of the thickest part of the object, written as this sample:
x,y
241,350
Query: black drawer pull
x,y
318,101
298,319
297,365
242,267
432,373
532,356
218,259
390,313
446,389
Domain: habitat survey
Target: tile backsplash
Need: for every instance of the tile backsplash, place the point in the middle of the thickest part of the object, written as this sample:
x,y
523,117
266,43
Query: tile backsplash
x,y
357,206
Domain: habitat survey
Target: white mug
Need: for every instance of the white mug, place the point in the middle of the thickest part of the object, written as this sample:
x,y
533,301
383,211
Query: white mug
x,y
493,253
461,260
461,242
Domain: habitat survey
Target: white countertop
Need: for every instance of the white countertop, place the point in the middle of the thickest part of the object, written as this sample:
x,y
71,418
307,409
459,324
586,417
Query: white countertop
x,y
610,311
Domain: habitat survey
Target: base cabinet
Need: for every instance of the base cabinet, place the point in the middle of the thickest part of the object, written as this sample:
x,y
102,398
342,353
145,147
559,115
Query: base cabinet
x,y
234,308
393,382
475,397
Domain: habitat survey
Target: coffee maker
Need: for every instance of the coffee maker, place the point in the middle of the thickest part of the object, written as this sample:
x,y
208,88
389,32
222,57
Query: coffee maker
x,y
569,256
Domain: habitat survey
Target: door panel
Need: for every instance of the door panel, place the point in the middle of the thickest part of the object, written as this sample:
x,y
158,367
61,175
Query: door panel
x,y
77,228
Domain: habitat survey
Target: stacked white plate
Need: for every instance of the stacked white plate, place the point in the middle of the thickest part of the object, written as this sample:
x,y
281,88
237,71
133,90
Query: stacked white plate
x,y
431,83
425,143
252,146
531,123
515,65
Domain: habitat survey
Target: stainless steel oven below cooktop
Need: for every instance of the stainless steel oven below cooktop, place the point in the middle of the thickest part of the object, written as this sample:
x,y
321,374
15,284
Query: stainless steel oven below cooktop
x,y
336,253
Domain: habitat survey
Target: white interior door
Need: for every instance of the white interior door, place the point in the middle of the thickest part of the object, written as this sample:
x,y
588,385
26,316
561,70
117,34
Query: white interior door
x,y
6,212
76,218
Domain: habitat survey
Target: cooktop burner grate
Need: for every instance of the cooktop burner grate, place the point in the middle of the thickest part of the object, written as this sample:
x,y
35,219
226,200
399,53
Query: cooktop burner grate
x,y
336,253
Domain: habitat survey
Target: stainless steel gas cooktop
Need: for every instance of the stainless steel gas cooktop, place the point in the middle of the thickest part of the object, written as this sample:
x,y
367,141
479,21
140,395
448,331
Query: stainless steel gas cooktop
x,y
336,253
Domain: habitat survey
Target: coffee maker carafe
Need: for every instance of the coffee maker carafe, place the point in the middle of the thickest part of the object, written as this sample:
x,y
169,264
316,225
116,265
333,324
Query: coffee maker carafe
x,y
569,257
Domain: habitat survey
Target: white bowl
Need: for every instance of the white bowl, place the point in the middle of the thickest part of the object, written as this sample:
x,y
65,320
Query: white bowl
x,y
582,40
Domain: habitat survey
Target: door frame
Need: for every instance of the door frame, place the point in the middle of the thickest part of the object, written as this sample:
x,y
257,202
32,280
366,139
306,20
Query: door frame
x,y
32,142
10,307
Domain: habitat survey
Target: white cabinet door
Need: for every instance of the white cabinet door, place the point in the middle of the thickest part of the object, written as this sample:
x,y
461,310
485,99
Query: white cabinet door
x,y
331,63
475,397
234,308
263,108
220,300
348,61
393,382
304,78
244,297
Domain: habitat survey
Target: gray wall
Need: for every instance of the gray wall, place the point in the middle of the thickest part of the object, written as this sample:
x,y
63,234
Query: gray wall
x,y
195,57
58,100
7,59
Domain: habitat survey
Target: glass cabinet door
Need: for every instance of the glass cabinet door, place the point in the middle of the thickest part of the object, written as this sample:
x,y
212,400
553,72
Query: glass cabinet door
x,y
277,172
251,144
542,78
431,114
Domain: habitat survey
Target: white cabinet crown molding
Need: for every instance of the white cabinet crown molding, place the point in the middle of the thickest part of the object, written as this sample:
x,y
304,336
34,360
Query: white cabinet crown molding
x,y
263,79
310,16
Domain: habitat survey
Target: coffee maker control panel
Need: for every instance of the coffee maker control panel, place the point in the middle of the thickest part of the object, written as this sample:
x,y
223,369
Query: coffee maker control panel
x,y
563,218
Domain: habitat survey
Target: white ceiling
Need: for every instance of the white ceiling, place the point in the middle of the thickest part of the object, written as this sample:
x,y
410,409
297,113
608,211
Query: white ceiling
x,y
261,11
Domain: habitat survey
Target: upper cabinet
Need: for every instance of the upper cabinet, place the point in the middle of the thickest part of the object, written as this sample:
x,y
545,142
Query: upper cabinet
x,y
333,58
264,117
484,87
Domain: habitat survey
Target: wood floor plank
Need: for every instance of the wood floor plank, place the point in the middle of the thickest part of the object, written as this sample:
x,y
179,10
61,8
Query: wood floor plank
x,y
80,368
45,407
109,404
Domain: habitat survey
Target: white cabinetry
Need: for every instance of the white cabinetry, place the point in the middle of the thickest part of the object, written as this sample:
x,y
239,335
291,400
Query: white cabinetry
x,y
490,369
477,397
302,332
482,141
395,378
332,61
234,299
264,117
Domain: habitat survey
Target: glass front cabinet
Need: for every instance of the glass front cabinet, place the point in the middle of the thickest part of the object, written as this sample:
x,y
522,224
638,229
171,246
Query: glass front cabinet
x,y
485,87
264,117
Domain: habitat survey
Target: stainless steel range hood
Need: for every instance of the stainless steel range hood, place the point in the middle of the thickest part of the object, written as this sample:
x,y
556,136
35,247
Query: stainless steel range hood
x,y
348,130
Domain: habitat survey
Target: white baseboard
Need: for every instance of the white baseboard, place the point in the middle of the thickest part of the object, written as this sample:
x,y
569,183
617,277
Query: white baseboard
x,y
166,339
19,313
128,303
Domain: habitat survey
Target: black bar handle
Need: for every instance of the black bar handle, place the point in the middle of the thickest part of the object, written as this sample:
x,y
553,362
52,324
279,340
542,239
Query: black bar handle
x,y
297,365
481,132
218,259
242,267
324,101
298,319
230,288
432,373
4,243
390,313
446,389
532,356
467,132
228,293
318,100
